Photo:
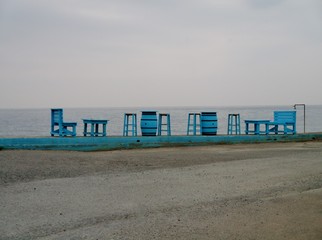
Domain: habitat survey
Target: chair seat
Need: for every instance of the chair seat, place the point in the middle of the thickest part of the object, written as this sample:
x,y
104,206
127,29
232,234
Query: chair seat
x,y
69,124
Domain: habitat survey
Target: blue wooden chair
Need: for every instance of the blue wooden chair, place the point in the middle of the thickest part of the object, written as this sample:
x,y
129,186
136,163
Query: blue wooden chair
x,y
284,119
59,127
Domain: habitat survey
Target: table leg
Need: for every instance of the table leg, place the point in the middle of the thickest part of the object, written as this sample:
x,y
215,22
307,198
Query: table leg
x,y
92,129
276,131
258,128
194,124
96,129
247,128
104,129
85,129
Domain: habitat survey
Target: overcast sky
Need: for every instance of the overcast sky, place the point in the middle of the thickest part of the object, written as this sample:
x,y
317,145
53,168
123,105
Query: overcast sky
x,y
124,53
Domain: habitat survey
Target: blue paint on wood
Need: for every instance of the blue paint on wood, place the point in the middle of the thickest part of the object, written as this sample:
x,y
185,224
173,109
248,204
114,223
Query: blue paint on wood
x,y
149,123
130,124
95,127
256,126
285,119
209,123
164,124
59,127
194,123
233,126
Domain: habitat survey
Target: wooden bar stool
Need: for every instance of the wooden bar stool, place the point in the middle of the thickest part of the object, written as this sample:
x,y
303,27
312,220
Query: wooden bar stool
x,y
233,124
194,120
167,124
130,124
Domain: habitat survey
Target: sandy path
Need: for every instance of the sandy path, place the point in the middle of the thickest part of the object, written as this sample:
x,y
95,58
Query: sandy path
x,y
261,191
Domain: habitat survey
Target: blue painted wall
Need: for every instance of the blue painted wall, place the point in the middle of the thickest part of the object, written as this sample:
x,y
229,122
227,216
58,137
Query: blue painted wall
x,y
111,143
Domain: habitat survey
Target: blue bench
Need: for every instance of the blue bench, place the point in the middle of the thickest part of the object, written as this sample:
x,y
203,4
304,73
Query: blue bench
x,y
59,127
284,119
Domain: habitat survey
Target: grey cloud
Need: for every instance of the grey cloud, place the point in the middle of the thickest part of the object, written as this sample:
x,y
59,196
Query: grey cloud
x,y
119,43
261,4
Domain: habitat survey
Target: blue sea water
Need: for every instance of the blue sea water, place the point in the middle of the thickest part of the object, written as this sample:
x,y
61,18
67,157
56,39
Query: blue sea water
x,y
36,122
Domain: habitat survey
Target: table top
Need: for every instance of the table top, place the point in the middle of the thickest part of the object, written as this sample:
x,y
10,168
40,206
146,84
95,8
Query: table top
x,y
257,121
95,121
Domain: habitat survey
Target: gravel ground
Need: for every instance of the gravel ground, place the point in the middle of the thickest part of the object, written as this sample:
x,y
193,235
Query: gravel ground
x,y
246,191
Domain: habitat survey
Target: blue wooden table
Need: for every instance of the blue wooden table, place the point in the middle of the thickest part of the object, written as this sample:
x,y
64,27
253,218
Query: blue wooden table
x,y
256,126
94,131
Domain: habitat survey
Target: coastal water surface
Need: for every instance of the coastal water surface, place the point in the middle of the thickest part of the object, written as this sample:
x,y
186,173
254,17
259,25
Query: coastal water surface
x,y
36,122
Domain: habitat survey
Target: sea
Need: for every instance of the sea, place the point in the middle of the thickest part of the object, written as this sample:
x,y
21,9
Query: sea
x,y
36,122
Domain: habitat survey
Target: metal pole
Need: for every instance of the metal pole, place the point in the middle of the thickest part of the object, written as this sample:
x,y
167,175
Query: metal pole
x,y
301,104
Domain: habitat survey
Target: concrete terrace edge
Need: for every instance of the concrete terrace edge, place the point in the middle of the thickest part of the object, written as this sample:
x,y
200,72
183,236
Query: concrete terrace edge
x,y
120,142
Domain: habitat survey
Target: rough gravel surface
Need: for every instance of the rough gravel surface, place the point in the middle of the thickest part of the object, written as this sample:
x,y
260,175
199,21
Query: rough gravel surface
x,y
246,191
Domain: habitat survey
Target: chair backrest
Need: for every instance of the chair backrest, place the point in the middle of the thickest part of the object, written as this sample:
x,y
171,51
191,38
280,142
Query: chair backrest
x,y
285,116
56,116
